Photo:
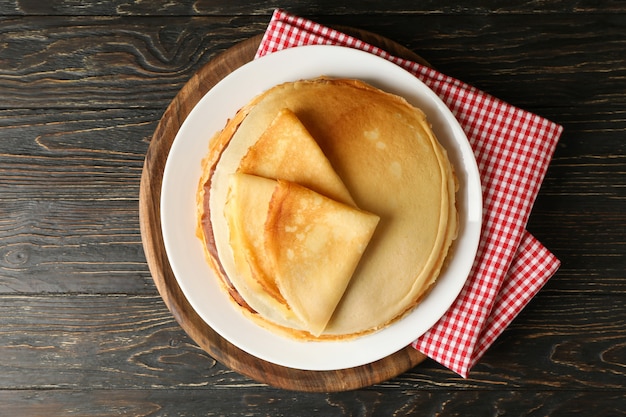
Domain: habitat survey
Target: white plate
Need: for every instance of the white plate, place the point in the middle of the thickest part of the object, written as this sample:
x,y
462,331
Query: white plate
x,y
178,206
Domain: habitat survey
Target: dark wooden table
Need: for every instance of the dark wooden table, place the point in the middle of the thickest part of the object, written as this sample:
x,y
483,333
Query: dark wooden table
x,y
83,330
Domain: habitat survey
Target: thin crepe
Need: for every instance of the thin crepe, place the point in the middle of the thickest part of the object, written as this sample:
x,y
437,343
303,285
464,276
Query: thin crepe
x,y
388,158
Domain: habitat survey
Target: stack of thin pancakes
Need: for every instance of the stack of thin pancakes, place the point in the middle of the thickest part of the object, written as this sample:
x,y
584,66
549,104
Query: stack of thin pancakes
x,y
327,208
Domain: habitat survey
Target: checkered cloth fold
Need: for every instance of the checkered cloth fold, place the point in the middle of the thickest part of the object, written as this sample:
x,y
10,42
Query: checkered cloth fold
x,y
513,149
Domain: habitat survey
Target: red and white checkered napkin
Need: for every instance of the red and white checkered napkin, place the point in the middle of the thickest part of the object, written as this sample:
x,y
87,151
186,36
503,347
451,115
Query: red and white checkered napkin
x,y
513,149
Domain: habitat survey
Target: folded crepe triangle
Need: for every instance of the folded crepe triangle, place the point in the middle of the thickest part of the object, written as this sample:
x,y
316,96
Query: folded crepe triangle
x,y
314,244
311,243
286,150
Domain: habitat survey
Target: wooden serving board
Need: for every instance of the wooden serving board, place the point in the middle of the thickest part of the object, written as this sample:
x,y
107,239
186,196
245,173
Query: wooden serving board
x,y
150,223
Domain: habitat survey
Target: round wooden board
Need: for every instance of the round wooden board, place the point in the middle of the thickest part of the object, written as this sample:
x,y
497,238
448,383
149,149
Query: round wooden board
x,y
150,223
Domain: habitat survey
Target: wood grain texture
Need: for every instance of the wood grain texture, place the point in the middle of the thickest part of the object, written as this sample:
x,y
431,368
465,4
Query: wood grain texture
x,y
68,205
108,62
82,327
138,62
121,341
209,7
155,402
